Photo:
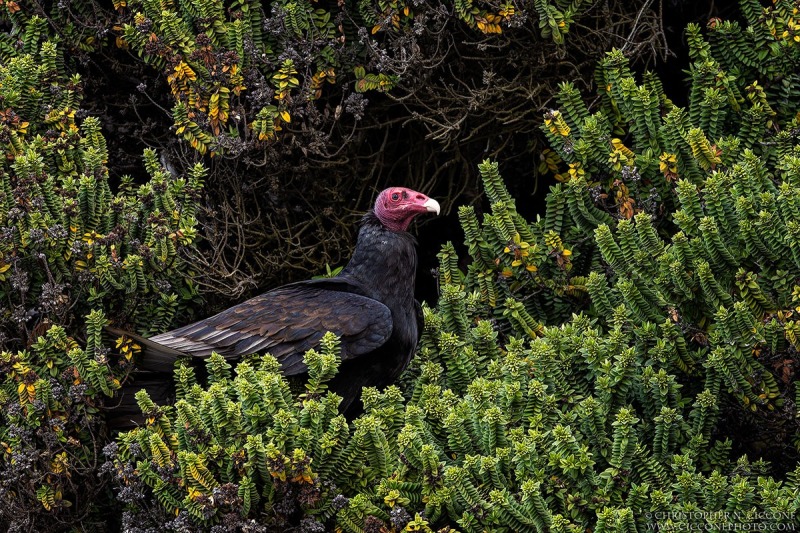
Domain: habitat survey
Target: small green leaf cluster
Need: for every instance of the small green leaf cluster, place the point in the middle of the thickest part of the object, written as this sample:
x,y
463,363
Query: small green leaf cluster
x,y
523,271
81,28
635,143
51,429
553,18
69,244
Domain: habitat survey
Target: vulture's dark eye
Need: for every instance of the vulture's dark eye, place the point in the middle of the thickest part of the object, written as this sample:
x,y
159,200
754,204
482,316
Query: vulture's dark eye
x,y
395,196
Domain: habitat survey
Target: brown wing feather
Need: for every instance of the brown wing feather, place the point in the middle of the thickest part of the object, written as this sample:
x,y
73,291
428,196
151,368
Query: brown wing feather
x,y
287,322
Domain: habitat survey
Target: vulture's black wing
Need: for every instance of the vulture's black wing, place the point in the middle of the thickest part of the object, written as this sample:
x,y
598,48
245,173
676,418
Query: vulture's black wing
x,y
285,322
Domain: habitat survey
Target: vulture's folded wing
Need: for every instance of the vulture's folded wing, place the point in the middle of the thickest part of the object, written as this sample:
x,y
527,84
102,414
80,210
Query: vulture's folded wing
x,y
286,322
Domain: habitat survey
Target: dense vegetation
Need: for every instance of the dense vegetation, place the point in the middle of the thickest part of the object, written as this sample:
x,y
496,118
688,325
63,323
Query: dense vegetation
x,y
626,360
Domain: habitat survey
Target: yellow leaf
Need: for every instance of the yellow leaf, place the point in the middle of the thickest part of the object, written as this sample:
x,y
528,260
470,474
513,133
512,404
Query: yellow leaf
x,y
286,116
376,28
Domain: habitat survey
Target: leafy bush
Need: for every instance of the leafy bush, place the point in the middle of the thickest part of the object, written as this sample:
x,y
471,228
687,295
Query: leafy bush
x,y
692,210
69,243
51,430
72,253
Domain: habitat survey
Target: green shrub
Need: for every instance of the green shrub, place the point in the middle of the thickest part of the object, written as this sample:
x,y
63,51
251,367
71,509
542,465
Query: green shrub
x,y
72,253
703,230
51,430
70,244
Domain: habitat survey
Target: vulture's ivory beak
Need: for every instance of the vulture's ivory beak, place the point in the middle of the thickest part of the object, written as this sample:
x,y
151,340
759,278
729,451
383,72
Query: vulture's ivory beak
x,y
431,205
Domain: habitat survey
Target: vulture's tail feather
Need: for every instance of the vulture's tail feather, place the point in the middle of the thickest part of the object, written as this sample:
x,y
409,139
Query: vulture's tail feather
x,y
154,373
154,357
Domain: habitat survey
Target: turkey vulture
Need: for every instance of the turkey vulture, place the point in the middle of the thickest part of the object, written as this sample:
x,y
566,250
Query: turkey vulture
x,y
370,305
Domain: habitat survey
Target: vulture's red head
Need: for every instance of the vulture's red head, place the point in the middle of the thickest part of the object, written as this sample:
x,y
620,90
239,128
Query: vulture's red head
x,y
396,207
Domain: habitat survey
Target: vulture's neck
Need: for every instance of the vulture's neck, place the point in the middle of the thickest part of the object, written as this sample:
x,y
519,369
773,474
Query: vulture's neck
x,y
384,262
